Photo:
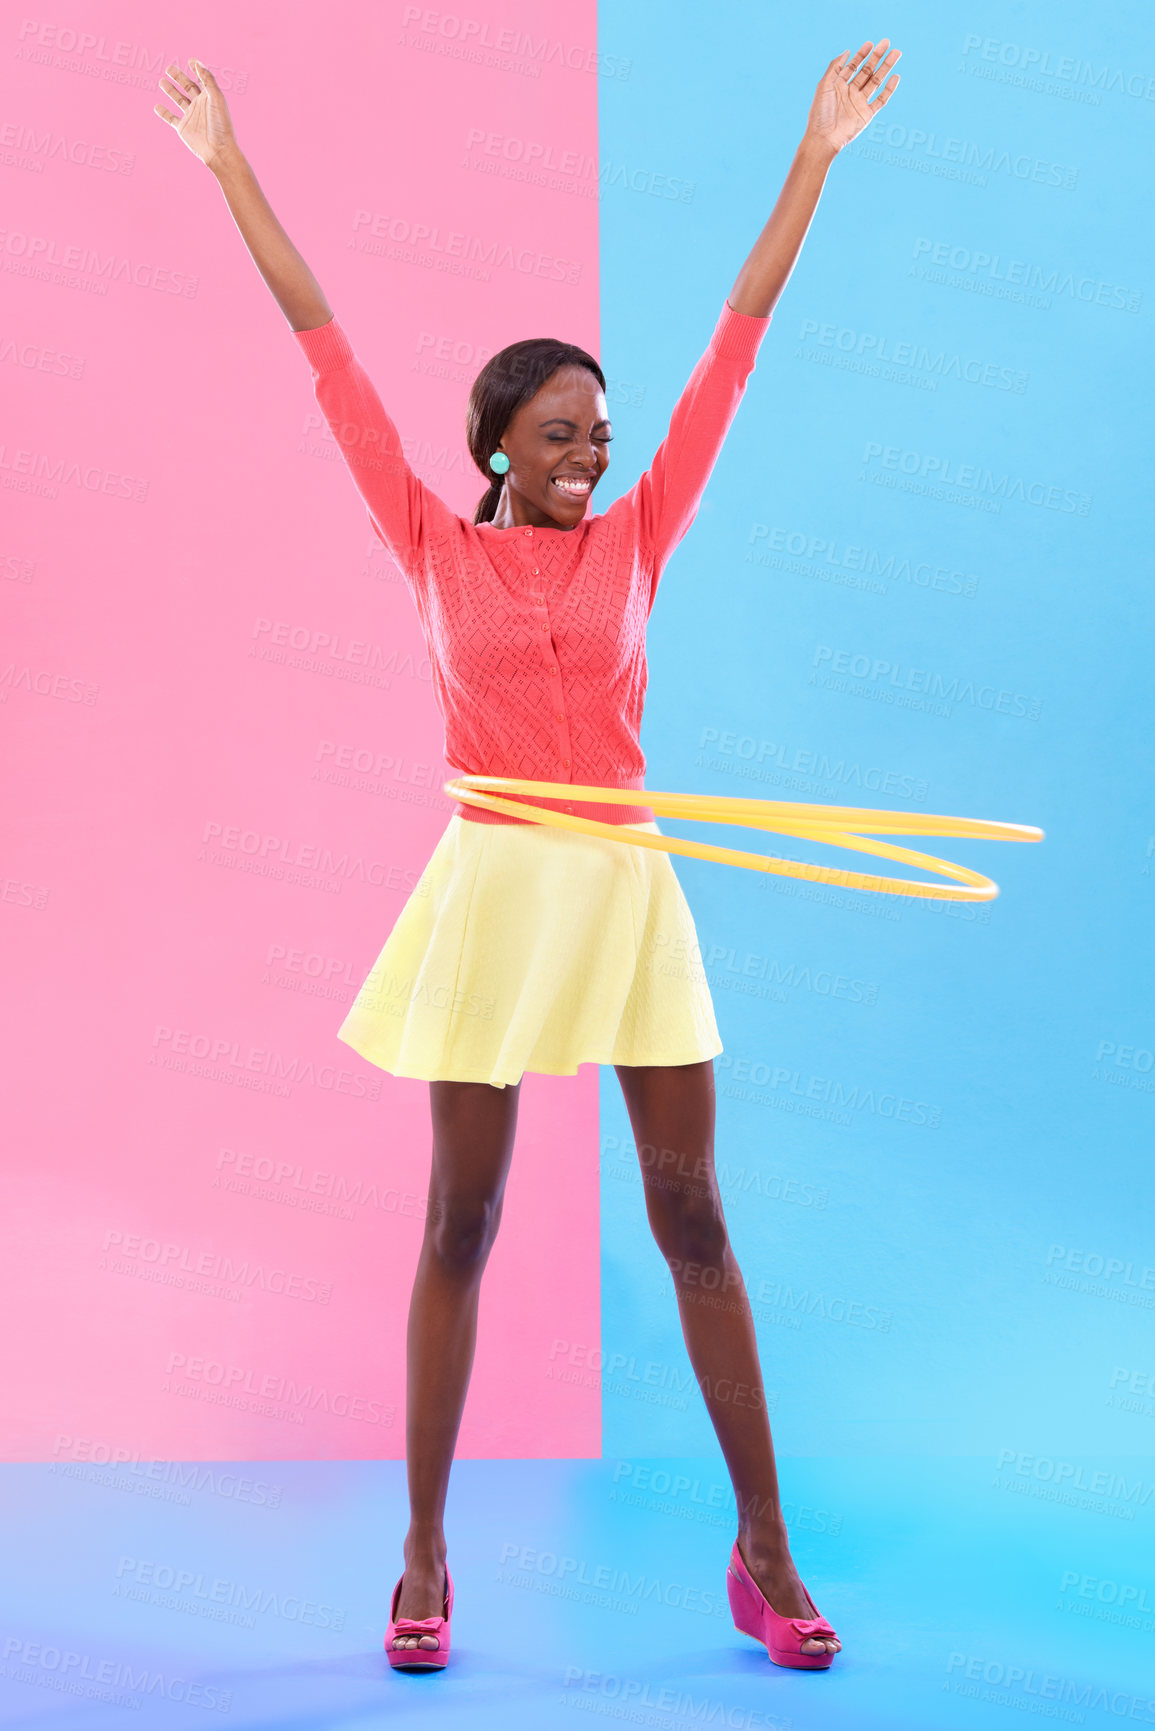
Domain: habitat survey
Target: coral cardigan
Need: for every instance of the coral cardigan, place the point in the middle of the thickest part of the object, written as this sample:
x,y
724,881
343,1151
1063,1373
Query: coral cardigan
x,y
537,637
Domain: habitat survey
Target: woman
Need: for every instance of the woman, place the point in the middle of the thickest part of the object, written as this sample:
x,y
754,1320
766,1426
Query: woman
x,y
526,946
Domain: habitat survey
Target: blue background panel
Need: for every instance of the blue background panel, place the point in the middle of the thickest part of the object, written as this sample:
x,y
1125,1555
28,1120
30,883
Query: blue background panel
x,y
919,580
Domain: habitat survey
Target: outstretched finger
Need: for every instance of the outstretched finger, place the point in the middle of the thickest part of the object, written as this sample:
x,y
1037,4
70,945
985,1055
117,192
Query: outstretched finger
x,y
173,119
187,83
855,59
870,92
879,75
870,65
886,92
174,91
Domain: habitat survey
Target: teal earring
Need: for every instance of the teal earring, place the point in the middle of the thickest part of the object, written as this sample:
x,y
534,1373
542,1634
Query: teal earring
x,y
499,463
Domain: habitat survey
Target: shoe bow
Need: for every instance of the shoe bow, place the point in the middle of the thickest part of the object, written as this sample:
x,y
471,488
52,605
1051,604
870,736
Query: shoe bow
x,y
810,1626
419,1626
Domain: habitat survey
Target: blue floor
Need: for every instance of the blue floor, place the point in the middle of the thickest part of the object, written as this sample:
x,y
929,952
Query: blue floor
x,y
257,1596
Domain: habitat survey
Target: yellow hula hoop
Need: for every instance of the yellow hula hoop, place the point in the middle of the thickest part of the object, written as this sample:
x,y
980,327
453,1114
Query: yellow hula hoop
x,y
837,825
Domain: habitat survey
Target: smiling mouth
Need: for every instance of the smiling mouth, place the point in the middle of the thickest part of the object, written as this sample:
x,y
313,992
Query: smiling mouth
x,y
573,486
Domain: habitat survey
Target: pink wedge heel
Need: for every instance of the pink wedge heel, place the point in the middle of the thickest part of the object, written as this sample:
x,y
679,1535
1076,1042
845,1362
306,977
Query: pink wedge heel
x,y
782,1637
419,1658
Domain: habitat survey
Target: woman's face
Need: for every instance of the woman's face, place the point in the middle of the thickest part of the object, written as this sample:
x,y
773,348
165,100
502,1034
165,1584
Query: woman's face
x,y
558,449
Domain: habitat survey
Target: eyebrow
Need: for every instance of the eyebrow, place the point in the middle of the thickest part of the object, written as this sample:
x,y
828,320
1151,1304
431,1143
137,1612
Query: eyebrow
x,y
558,421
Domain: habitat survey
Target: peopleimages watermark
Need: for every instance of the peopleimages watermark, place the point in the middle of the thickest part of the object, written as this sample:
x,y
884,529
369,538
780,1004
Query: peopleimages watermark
x,y
571,1574
14,568
1068,68
890,682
1020,279
802,760
169,1263
1137,1381
226,843
685,1174
39,358
261,1068
46,682
1049,1479
1124,1066
115,1682
214,1593
917,357
311,1189
1034,1690
974,477
43,472
779,975
506,48
317,649
72,50
618,1373
1075,1261
23,146
853,567
641,1701
427,243
165,1480
367,760
250,1390
849,1097
640,1484
1106,1591
18,892
959,158
566,170
41,255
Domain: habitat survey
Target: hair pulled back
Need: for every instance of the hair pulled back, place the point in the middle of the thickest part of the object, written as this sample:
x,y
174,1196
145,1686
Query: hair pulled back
x,y
507,380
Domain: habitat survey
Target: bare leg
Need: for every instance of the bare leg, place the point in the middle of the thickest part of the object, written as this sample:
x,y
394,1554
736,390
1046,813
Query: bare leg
x,y
671,1109
473,1132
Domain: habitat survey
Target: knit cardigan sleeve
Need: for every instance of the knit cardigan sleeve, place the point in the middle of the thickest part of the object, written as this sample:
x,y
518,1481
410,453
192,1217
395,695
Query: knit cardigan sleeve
x,y
665,500
403,510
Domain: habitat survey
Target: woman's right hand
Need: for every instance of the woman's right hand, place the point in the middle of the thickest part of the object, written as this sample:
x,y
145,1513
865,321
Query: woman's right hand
x,y
202,118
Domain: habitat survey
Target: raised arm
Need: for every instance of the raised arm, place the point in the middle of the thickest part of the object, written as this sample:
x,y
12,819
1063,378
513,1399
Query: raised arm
x,y
202,121
850,93
665,500
400,505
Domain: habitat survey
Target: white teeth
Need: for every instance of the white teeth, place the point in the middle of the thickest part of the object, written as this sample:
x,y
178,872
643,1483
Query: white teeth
x,y
571,484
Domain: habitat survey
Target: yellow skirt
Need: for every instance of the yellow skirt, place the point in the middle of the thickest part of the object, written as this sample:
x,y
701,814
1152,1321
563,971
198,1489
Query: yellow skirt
x,y
529,948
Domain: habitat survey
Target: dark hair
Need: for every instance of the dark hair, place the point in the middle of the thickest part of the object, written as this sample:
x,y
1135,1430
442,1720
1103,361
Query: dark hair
x,y
507,380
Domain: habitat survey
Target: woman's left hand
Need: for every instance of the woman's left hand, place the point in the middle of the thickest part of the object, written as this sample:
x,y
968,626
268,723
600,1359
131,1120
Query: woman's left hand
x,y
842,105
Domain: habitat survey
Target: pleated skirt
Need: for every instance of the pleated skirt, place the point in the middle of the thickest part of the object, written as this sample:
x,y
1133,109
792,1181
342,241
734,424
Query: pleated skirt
x,y
524,947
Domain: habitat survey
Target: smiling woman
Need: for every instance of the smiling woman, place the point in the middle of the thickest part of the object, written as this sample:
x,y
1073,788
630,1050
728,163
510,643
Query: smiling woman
x,y
537,428
535,615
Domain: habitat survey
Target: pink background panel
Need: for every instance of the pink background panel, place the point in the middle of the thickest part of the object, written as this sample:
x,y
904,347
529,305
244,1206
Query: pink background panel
x,y
214,1205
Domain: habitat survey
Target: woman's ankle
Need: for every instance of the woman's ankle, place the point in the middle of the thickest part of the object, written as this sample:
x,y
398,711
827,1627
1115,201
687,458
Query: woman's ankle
x,y
424,1543
764,1536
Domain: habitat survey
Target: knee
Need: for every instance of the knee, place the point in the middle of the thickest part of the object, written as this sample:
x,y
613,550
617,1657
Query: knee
x,y
690,1230
461,1231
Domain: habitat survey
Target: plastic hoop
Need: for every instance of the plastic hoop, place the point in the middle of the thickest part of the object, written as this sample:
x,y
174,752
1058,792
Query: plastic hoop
x,y
836,825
